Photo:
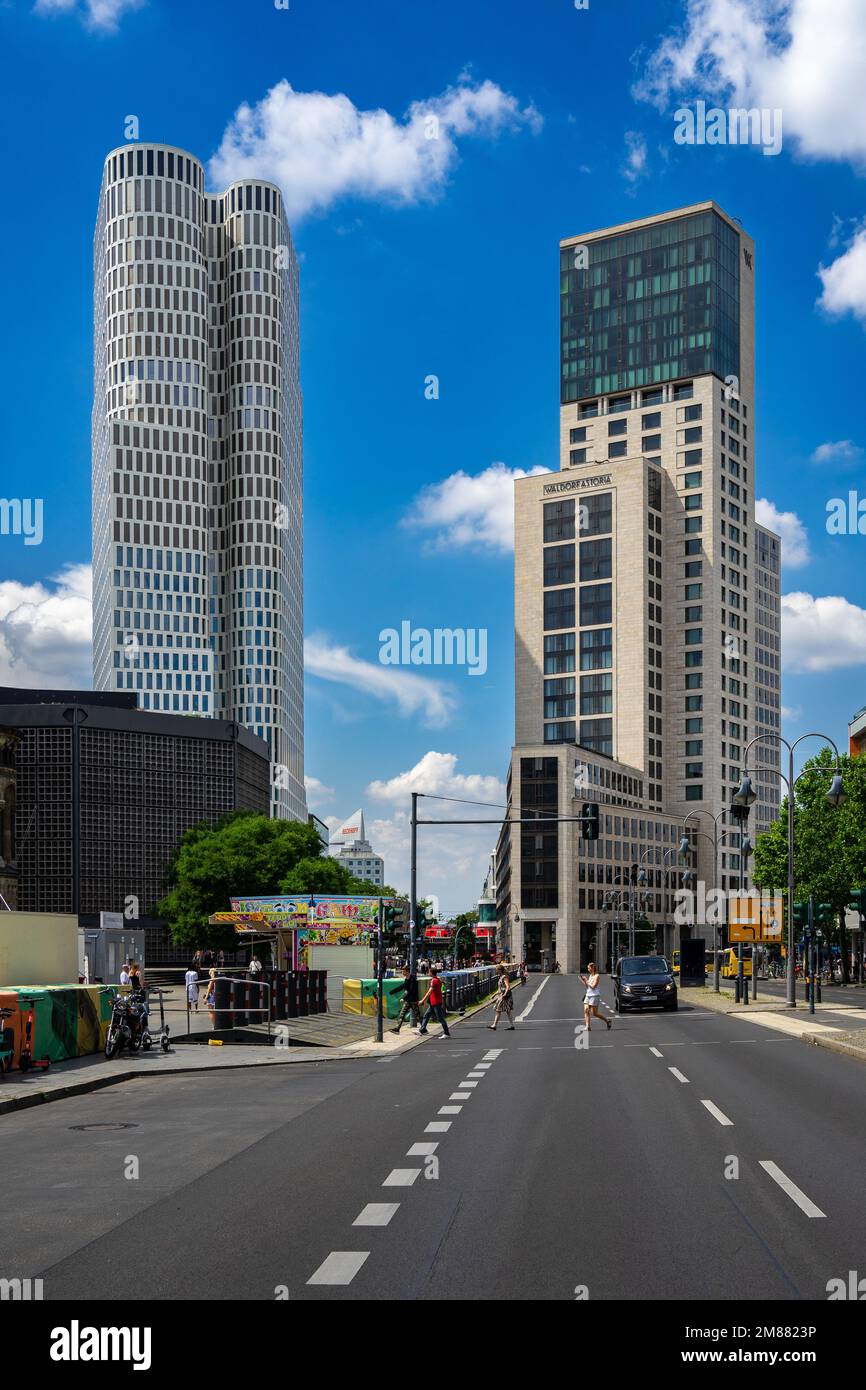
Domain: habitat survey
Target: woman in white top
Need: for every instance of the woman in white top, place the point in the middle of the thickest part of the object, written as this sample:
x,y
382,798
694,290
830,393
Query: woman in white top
x,y
592,999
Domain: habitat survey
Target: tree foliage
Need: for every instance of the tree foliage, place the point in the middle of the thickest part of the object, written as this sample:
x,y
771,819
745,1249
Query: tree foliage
x,y
247,855
829,842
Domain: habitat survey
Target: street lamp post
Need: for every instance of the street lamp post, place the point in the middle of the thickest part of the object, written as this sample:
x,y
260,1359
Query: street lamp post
x,y
746,795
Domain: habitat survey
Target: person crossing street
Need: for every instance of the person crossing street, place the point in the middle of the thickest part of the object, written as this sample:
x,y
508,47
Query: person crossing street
x,y
504,1000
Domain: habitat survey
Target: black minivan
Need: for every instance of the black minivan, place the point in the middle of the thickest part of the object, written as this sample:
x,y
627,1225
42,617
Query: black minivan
x,y
644,982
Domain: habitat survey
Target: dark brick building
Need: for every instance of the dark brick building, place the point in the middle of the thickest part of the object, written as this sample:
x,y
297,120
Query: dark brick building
x,y
105,791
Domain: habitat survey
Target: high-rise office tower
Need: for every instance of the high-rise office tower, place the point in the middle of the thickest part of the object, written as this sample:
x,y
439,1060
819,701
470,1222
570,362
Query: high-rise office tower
x,y
646,599
197,452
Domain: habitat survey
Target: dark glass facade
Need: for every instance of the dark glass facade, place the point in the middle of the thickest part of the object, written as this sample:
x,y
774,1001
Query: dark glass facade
x,y
653,305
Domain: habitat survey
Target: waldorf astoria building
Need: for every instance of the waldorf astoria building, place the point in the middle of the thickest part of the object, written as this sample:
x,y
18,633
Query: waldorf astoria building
x,y
646,598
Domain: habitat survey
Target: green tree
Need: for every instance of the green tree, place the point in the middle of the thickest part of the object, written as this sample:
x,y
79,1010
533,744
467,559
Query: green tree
x,y
829,842
247,855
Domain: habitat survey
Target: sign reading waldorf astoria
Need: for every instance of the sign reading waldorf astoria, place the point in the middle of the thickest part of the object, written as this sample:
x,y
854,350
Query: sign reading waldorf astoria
x,y
579,484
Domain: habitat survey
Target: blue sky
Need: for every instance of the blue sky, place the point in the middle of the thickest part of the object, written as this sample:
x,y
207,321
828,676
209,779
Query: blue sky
x,y
420,258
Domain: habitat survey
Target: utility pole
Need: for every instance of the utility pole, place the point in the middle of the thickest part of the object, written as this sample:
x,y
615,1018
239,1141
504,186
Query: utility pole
x,y
413,884
380,973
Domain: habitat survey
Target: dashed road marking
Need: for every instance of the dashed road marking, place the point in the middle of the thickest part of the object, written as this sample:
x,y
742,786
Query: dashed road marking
x,y
449,1109
421,1150
468,1083
401,1177
493,1054
793,1191
679,1076
717,1113
482,1067
655,1052
478,1075
460,1095
438,1127
376,1214
340,1267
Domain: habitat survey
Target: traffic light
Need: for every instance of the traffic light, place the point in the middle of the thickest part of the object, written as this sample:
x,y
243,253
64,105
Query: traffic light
x,y
801,916
424,914
589,823
857,900
824,913
395,915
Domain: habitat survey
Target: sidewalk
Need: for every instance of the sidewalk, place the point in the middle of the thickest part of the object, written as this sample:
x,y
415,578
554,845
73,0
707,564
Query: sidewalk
x,y
830,1026
82,1074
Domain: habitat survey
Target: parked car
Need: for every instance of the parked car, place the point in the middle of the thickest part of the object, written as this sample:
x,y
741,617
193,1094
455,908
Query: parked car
x,y
643,982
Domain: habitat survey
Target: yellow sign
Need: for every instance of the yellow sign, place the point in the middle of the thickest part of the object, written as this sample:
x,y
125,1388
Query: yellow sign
x,y
751,918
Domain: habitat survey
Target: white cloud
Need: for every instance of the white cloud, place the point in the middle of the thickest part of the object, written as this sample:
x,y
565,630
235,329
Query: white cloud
x,y
319,147
435,773
844,280
805,57
636,162
822,634
45,631
840,451
102,15
469,510
795,541
451,863
412,694
317,791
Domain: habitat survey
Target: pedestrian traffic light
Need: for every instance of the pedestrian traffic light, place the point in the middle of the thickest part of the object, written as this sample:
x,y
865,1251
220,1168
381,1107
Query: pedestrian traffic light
x,y
589,821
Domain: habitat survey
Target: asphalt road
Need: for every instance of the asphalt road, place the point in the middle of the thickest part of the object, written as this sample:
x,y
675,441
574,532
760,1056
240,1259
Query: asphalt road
x,y
685,1155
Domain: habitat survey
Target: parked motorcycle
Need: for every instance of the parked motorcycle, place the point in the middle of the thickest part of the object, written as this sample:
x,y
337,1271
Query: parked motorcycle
x,y
128,1026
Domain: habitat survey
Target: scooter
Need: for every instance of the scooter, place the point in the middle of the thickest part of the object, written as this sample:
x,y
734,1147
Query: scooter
x,y
26,1059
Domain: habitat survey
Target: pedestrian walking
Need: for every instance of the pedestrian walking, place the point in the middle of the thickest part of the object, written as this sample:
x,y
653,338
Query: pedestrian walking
x,y
592,998
255,968
521,970
124,973
409,1003
210,997
435,1006
504,1000
190,979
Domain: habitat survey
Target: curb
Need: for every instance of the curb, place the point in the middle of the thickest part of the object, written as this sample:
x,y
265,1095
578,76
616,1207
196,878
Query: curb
x,y
834,1045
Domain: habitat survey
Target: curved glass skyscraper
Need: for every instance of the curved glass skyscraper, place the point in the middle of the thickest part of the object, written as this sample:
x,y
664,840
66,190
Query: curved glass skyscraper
x,y
197,452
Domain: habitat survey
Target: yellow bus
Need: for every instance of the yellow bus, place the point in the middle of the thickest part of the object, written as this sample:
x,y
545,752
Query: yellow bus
x,y
729,965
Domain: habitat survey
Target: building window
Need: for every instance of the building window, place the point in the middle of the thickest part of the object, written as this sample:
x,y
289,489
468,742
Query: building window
x,y
577,456
695,793
652,397
559,564
588,410
694,770
683,391
559,521
559,608
650,443
596,649
559,702
693,436
595,559
597,735
692,412
595,605
617,427
618,449
651,422
559,733
596,694
559,653
596,515
577,436
618,403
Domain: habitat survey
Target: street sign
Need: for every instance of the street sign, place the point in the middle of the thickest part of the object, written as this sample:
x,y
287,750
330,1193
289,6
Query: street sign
x,y
751,918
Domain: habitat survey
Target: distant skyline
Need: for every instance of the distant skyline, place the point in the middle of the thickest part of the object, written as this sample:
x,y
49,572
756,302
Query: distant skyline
x,y
430,162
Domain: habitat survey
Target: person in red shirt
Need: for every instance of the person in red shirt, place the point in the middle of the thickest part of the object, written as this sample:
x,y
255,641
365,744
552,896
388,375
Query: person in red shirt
x,y
435,1006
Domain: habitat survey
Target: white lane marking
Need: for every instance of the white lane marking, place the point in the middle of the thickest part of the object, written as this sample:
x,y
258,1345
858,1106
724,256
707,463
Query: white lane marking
x,y
530,1006
679,1076
401,1177
793,1191
655,1052
376,1214
468,1083
530,1049
719,1114
421,1150
449,1109
340,1267
493,1054
438,1127
481,1067
478,1075
460,1095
